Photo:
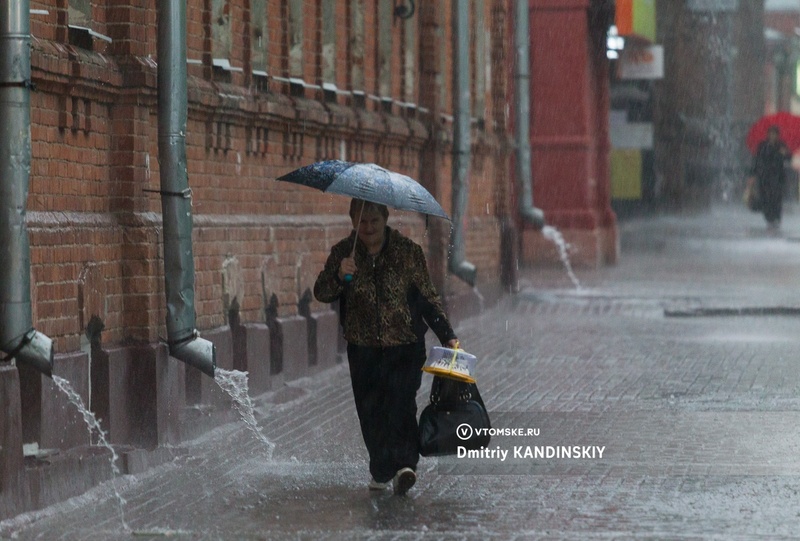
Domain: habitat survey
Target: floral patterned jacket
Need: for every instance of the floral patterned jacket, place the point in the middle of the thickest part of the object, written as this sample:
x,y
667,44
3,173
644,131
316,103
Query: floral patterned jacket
x,y
391,300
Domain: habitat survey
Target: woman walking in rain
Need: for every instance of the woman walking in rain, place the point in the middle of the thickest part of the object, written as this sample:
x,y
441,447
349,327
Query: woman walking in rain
x,y
388,301
769,174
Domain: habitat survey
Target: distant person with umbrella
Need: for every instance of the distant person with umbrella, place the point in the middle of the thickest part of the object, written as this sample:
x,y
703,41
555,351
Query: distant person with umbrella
x,y
387,302
769,176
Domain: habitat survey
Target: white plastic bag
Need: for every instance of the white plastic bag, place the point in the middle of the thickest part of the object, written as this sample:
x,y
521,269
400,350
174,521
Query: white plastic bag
x,y
451,363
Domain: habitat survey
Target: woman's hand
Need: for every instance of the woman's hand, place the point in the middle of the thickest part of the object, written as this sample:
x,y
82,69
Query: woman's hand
x,y
347,266
452,344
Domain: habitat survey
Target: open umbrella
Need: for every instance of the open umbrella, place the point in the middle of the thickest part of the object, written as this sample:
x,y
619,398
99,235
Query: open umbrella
x,y
787,123
369,182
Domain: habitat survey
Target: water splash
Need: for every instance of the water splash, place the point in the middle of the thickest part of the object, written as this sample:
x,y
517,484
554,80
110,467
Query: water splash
x,y
93,425
554,235
481,299
234,383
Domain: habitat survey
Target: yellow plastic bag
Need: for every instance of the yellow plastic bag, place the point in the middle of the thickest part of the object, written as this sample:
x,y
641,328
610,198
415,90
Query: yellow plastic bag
x,y
456,364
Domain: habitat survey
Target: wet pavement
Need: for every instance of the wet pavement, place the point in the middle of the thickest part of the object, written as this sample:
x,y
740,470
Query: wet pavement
x,y
696,409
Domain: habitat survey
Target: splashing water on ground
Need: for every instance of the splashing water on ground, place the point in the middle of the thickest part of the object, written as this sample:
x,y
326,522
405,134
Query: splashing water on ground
x,y
554,235
93,425
234,383
481,299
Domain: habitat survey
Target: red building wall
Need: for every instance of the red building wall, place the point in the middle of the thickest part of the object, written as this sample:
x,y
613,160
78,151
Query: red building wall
x,y
569,131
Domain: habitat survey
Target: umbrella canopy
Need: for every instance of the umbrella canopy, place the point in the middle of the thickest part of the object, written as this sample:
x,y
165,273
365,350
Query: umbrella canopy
x,y
788,124
369,182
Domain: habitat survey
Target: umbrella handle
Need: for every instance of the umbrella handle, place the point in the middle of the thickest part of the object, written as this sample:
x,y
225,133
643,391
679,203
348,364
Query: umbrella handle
x,y
349,277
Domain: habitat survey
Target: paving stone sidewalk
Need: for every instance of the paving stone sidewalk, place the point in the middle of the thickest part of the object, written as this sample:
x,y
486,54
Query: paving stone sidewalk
x,y
697,415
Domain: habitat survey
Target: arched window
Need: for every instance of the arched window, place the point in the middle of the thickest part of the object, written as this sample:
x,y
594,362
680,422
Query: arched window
x,y
80,24
220,32
384,47
296,38
355,45
410,51
328,46
258,37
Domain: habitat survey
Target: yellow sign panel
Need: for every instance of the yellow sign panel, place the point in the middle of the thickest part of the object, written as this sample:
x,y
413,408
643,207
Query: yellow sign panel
x,y
626,174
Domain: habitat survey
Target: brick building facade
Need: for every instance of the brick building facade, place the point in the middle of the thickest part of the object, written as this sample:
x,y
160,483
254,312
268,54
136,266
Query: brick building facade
x,y
273,85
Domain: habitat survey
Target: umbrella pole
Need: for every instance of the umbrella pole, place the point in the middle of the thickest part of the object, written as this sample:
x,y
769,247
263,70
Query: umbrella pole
x,y
349,277
355,239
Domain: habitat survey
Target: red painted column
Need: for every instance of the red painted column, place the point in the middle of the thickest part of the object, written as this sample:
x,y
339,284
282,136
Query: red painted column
x,y
569,134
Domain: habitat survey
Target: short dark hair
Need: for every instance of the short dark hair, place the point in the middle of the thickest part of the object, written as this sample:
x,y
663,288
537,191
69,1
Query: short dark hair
x,y
774,129
355,208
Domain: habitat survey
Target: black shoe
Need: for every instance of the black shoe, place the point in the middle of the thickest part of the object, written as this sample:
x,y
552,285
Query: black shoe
x,y
403,481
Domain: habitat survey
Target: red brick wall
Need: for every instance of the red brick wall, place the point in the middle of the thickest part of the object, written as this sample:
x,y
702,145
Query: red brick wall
x,y
95,234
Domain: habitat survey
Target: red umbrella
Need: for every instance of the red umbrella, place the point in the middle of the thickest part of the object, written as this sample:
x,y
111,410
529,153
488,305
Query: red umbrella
x,y
788,124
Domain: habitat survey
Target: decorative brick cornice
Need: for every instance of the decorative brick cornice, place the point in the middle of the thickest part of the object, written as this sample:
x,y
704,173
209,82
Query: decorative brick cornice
x,y
67,70
60,69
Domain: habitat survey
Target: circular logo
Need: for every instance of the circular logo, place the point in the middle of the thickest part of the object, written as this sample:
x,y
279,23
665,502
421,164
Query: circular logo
x,y
464,431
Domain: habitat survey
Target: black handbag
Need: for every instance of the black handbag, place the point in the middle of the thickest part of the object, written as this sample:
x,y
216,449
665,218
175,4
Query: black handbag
x,y
456,417
752,195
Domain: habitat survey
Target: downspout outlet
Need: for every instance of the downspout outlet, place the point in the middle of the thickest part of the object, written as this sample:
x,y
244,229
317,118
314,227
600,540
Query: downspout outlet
x,y
464,270
533,216
197,352
35,350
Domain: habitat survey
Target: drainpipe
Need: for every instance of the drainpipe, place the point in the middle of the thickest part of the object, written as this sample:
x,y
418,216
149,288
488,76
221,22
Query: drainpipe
x,y
457,263
176,197
18,339
529,213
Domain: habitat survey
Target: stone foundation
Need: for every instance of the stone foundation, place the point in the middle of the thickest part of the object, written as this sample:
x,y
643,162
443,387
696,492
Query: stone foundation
x,y
148,402
252,354
11,460
289,350
323,339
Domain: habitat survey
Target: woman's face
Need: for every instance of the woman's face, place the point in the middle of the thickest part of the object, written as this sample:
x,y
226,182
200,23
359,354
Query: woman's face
x,y
371,228
773,136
